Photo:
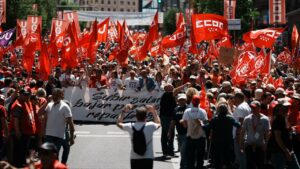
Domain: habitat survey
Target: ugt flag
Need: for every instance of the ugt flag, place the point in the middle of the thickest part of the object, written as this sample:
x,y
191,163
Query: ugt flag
x,y
6,36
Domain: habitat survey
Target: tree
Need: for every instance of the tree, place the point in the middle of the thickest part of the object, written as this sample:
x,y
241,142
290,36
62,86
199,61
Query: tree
x,y
169,25
20,9
245,11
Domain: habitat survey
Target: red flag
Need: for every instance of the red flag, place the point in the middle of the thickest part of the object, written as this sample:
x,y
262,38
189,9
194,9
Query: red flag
x,y
225,42
92,50
182,57
178,37
69,49
58,26
244,66
263,37
72,17
44,63
193,48
21,27
246,47
295,36
209,27
278,83
262,64
152,36
285,57
103,30
33,22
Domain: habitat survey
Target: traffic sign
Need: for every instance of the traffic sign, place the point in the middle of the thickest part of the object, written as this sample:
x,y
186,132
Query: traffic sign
x,y
234,24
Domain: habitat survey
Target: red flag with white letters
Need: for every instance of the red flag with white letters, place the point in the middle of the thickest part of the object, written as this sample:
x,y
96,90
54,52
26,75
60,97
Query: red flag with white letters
x,y
103,30
263,37
69,49
33,22
72,17
21,27
209,27
244,67
262,64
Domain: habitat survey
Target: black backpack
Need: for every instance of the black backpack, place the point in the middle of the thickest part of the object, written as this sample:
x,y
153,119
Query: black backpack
x,y
139,141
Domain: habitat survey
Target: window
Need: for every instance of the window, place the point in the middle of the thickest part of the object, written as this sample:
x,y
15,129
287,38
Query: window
x,y
102,1
97,1
122,2
108,2
128,2
133,3
128,10
114,9
108,9
133,10
102,9
121,9
115,2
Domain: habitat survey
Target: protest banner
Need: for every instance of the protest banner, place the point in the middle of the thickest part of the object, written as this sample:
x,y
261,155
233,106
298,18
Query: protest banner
x,y
91,105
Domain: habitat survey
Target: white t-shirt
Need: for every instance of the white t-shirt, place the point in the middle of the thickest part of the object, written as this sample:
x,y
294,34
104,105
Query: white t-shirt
x,y
114,83
241,111
131,84
149,129
56,119
193,129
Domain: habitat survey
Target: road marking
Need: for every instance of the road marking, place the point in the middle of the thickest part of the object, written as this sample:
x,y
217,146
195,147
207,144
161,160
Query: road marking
x,y
82,132
115,132
106,136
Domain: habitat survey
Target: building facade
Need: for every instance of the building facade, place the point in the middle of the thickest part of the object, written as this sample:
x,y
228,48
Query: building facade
x,y
111,5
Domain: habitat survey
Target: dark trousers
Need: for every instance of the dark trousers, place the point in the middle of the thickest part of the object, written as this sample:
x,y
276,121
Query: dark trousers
x,y
21,149
255,156
141,163
195,153
223,154
56,141
66,149
167,144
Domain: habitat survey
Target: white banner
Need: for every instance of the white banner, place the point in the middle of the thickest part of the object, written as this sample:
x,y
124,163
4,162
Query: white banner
x,y
90,105
132,18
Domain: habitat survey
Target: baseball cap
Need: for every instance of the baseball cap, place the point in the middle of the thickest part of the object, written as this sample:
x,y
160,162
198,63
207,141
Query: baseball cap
x,y
280,91
196,100
255,104
48,147
182,96
193,77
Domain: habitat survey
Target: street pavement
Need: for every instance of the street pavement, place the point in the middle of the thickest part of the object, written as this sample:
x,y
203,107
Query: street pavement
x,y
100,146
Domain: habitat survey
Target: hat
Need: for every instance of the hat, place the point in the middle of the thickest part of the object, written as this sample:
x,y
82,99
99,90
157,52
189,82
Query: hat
x,y
283,102
255,104
48,147
296,96
2,97
181,96
193,77
280,91
196,100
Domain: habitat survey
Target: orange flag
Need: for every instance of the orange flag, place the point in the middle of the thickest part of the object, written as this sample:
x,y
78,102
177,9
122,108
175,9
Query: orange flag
x,y
45,69
69,49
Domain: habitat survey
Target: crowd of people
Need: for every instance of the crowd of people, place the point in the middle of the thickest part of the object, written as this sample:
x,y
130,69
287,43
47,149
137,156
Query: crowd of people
x,y
246,125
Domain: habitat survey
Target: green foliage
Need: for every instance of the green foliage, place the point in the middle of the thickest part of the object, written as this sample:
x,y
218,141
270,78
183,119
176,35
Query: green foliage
x,y
244,11
20,9
169,25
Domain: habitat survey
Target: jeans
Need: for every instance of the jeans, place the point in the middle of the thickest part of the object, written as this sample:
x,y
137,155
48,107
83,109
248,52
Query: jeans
x,y
222,155
195,152
21,149
66,148
182,139
167,144
141,163
255,157
240,158
56,141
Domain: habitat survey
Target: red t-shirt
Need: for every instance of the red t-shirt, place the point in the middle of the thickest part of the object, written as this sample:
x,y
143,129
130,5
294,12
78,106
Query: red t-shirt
x,y
56,165
3,114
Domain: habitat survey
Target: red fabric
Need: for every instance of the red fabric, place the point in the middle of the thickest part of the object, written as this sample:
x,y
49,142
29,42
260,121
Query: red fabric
x,y
3,114
285,57
178,37
34,23
72,17
204,103
152,36
21,28
193,47
295,36
103,30
225,42
278,83
182,58
27,123
56,165
246,47
45,69
262,64
69,49
263,37
92,49
209,27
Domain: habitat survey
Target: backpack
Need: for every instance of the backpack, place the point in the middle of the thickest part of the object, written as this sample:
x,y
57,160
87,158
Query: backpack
x,y
139,141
